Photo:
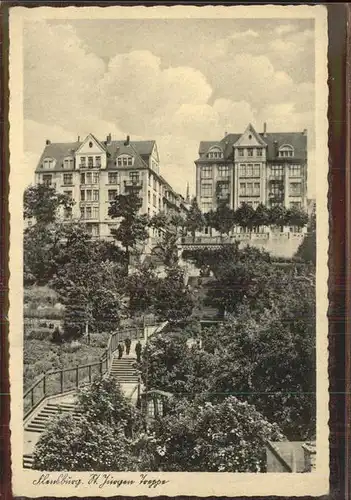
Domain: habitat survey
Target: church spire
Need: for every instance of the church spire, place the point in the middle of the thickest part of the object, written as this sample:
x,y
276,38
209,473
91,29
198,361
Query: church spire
x,y
187,199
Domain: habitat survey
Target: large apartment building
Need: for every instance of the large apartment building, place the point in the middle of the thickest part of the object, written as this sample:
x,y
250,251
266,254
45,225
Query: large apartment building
x,y
268,168
93,172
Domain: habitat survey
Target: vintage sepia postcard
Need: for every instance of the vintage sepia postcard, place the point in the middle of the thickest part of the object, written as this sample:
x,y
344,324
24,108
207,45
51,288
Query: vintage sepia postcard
x,y
168,251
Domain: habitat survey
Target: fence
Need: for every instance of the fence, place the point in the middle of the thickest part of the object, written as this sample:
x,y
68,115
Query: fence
x,y
64,380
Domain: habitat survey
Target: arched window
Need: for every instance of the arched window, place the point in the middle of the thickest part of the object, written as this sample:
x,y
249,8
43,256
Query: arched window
x,y
48,163
286,151
215,152
125,161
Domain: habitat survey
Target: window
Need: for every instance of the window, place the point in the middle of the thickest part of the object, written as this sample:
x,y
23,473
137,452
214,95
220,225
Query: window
x,y
256,170
48,163
277,171
215,153
249,151
223,189
295,204
82,178
286,151
125,161
83,162
94,229
95,212
88,212
95,177
159,203
47,179
67,179
154,184
295,188
150,180
223,171
249,189
112,193
206,172
67,213
259,151
96,195
82,212
206,206
242,170
88,195
148,197
295,170
88,178
112,177
206,189
68,194
134,177
276,189
240,152
98,161
154,200
68,163
90,162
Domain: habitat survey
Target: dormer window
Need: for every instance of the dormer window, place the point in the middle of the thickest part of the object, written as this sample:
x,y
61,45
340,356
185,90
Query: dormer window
x,y
286,151
125,161
215,153
68,163
48,163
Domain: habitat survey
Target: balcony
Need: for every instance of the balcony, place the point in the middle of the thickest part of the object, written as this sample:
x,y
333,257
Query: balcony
x,y
133,184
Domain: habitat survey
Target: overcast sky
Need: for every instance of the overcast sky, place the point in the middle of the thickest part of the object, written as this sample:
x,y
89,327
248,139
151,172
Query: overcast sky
x,y
175,81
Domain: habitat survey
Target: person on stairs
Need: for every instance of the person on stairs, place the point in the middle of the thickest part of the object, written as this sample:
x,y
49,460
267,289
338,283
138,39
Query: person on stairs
x,y
128,343
138,351
120,350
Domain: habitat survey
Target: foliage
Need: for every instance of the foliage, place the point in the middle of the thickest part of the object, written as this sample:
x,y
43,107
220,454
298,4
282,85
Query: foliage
x,y
132,228
307,248
103,402
172,291
42,203
278,216
99,440
244,216
84,445
222,220
296,217
261,216
200,436
141,287
194,218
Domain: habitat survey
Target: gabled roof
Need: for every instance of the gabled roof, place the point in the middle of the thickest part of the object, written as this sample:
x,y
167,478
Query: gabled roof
x,y
297,140
141,150
250,129
272,140
58,151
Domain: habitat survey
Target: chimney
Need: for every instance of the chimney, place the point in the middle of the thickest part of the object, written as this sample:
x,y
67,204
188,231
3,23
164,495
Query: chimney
x,y
79,138
265,129
108,139
48,142
275,148
126,143
304,131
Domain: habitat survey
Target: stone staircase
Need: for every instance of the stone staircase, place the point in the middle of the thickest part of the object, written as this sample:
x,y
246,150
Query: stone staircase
x,y
38,423
124,370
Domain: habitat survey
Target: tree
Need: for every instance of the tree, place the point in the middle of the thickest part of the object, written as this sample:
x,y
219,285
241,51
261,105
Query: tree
x,y
99,440
132,229
296,217
171,227
42,203
307,248
277,216
244,216
141,287
194,219
199,436
261,216
173,300
223,219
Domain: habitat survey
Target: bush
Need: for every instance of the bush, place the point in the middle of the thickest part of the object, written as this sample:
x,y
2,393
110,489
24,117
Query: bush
x,y
39,334
56,336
